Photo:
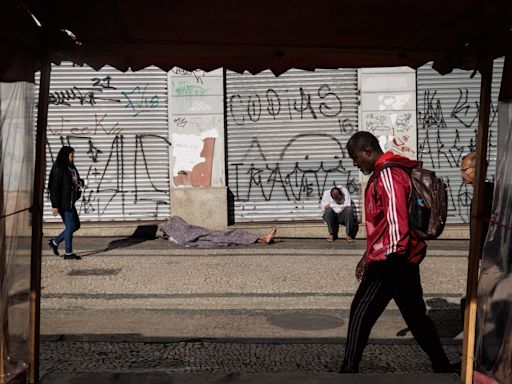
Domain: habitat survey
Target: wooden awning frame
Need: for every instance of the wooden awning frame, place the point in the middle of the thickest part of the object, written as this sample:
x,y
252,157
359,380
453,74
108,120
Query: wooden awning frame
x,y
65,34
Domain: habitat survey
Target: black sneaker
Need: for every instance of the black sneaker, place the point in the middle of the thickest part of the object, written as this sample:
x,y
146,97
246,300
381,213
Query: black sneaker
x,y
72,256
344,369
55,248
450,368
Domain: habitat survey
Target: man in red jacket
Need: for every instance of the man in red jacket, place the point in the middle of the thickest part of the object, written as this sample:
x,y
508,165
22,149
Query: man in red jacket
x,y
389,268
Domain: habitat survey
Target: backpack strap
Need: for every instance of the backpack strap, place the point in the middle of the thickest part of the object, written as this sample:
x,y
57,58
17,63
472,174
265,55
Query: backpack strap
x,y
391,165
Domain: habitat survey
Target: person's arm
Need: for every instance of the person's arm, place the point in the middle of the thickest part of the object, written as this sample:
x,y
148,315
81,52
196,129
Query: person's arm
x,y
394,188
80,181
55,188
347,202
326,200
361,268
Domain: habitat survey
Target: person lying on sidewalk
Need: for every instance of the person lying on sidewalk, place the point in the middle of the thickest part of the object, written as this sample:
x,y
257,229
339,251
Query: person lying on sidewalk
x,y
180,232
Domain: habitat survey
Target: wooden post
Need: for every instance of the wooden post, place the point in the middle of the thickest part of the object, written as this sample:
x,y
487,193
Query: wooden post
x,y
4,342
37,222
3,256
477,209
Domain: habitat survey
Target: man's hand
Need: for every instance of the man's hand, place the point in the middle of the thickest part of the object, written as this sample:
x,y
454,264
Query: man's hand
x,y
327,206
55,211
361,268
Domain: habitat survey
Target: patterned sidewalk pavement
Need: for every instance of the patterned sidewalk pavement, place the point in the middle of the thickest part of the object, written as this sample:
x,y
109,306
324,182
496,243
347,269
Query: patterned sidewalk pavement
x,y
229,357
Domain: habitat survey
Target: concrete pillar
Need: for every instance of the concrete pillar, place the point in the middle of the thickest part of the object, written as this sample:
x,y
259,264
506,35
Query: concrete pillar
x,y
197,158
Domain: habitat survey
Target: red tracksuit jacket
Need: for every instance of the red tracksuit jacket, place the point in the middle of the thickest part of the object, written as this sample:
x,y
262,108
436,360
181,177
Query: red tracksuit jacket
x,y
387,206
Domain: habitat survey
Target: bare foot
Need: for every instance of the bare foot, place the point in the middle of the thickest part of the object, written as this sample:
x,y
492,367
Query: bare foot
x,y
349,239
330,238
269,237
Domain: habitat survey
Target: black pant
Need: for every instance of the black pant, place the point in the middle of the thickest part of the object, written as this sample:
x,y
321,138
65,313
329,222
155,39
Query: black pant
x,y
346,217
385,281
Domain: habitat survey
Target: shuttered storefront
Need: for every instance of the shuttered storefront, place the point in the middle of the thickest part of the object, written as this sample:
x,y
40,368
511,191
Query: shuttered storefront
x,y
447,125
286,141
117,123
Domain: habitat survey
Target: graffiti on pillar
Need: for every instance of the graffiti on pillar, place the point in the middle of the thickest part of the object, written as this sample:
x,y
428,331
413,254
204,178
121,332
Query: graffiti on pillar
x,y
196,122
391,119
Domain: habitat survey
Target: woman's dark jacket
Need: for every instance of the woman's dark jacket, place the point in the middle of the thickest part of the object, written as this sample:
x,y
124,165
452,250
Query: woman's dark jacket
x,y
60,186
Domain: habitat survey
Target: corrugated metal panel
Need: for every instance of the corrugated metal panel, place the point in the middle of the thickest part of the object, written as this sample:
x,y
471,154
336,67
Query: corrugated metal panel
x,y
447,126
118,124
286,141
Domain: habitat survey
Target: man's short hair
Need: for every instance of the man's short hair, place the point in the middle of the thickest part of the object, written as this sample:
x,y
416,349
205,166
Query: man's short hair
x,y
471,157
362,140
336,189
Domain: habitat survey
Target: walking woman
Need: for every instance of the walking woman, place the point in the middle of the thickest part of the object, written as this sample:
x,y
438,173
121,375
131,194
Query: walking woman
x,y
64,186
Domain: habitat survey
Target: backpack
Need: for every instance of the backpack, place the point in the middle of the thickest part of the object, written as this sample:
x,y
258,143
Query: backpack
x,y
429,209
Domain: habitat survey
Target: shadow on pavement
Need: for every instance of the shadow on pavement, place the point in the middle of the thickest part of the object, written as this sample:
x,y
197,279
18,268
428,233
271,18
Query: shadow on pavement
x,y
142,233
447,317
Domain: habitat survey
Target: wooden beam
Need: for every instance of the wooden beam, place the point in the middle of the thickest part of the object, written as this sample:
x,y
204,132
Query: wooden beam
x,y
37,222
254,58
477,209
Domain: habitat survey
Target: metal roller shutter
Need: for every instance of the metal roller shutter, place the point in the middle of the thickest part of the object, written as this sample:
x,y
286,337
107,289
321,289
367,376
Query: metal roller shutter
x,y
447,126
286,140
118,125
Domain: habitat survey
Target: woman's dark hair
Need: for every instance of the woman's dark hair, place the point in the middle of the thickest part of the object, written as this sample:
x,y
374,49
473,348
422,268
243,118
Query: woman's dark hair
x,y
62,160
60,164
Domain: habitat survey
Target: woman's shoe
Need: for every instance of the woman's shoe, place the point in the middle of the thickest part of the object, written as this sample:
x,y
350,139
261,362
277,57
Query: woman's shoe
x,y
72,256
54,247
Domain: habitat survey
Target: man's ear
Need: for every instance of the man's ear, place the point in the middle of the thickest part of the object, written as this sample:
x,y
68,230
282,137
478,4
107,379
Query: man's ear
x,y
368,151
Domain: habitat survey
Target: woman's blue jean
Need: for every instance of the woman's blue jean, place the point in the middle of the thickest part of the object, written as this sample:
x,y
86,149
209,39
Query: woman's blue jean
x,y
72,224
